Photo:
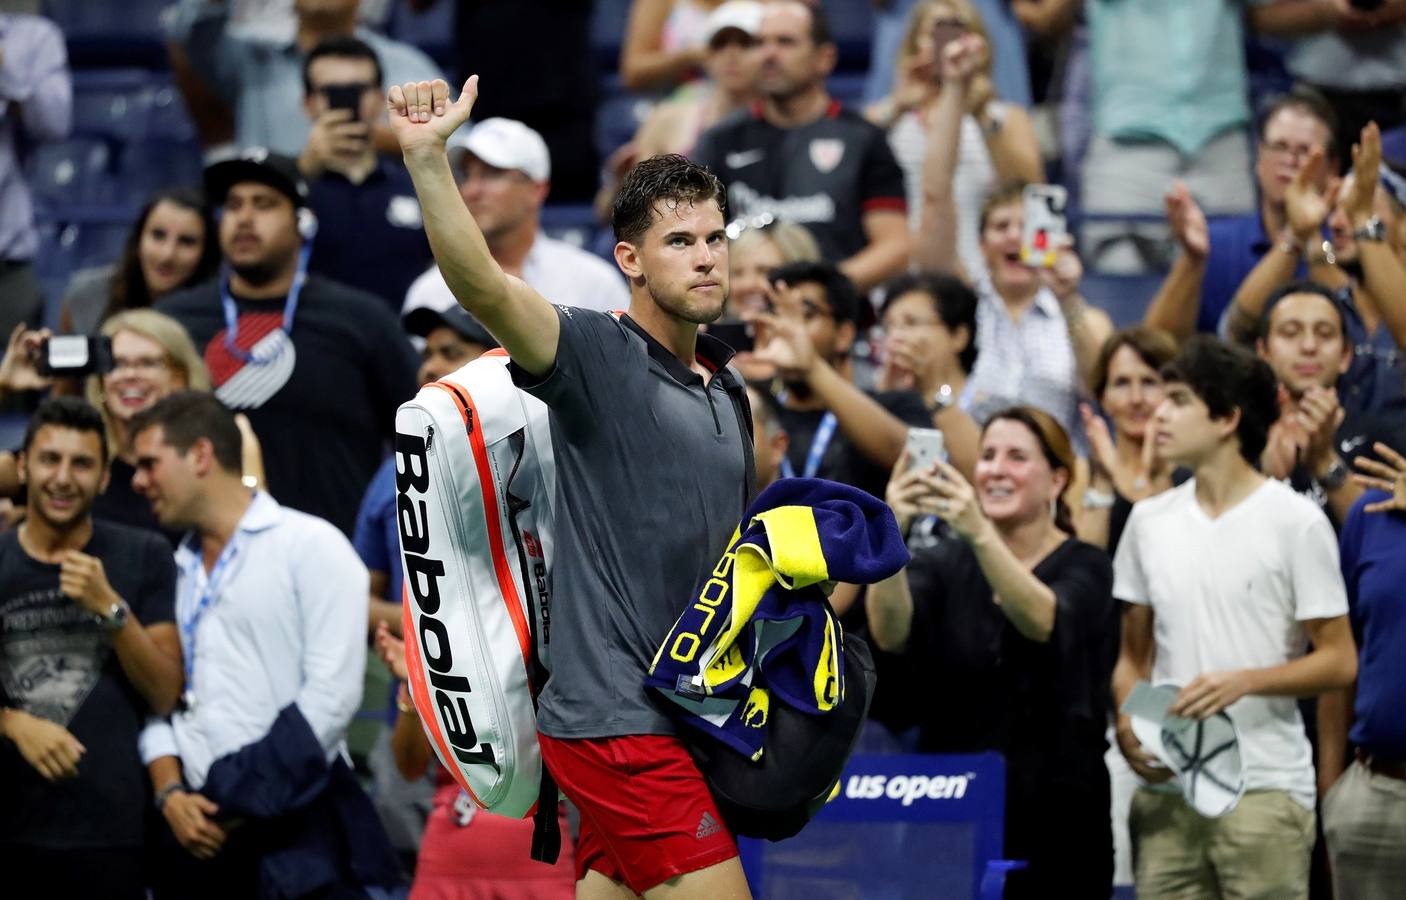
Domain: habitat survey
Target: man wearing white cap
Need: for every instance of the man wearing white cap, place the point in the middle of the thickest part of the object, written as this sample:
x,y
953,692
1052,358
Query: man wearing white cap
x,y
504,172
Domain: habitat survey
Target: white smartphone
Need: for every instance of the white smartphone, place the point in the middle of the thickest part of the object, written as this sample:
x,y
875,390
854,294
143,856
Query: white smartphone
x,y
925,445
1045,224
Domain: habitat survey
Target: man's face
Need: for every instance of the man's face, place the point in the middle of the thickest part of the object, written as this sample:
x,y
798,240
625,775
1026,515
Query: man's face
x,y
259,232
683,259
807,301
1183,431
446,351
500,200
1289,138
341,72
789,63
65,471
167,479
1000,247
1305,346
732,61
1340,224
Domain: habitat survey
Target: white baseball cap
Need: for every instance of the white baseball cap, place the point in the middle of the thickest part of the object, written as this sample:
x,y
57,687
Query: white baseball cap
x,y
1204,755
744,15
505,144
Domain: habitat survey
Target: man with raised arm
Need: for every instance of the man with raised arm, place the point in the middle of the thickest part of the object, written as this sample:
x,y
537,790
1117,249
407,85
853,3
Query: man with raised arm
x,y
650,430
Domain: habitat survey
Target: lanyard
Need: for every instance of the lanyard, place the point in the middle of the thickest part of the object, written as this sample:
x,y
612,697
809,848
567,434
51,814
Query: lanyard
x,y
824,434
290,308
202,604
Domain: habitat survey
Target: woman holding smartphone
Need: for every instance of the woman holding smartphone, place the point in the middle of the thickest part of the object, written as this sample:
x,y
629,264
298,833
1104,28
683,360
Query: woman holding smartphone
x,y
1017,616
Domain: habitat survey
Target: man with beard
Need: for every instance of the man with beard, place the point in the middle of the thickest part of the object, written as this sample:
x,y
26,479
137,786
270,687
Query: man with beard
x,y
797,156
317,366
650,433
88,649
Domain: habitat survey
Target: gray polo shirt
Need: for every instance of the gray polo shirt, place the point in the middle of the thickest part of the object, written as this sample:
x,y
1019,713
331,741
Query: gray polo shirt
x,y
653,468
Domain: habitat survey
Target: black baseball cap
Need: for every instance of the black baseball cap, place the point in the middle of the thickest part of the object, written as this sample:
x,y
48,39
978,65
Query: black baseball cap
x,y
421,320
259,165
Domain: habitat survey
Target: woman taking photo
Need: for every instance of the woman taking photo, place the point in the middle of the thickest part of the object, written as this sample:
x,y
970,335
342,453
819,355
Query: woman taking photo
x,y
1017,616
171,246
1127,382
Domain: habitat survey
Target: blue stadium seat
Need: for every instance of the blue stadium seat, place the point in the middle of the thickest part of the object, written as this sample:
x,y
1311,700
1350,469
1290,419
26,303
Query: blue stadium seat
x,y
618,116
89,19
169,119
848,88
71,172
1123,297
608,19
852,23
148,165
56,261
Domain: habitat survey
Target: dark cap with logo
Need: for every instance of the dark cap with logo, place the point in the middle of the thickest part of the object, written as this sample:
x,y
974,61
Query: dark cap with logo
x,y
259,165
421,320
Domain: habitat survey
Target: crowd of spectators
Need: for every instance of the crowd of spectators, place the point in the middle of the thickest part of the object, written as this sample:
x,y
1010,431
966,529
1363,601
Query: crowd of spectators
x,y
1203,483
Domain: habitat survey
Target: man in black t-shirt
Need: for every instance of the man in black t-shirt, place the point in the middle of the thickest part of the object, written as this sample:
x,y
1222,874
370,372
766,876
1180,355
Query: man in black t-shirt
x,y
836,430
318,367
88,649
797,156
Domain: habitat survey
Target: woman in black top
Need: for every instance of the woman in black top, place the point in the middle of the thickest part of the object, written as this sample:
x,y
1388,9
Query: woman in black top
x,y
1008,634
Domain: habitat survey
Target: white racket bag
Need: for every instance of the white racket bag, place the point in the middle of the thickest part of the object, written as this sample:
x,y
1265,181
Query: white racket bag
x,y
475,488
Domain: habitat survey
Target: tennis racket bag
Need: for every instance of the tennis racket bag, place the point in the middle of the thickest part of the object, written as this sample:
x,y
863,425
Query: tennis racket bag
x,y
475,487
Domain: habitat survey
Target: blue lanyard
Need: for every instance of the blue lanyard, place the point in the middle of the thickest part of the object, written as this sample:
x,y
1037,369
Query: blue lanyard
x,y
202,604
824,434
290,308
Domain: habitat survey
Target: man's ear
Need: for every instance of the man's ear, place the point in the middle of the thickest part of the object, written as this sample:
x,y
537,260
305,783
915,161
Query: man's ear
x,y
627,257
1347,357
19,467
826,56
845,333
1230,423
202,455
310,106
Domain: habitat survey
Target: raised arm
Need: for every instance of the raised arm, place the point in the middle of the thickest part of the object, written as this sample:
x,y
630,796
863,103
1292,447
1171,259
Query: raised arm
x,y
1178,301
1382,272
423,117
935,247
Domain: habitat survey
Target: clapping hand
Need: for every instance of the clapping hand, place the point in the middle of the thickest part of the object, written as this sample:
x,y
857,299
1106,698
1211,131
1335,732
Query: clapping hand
x,y
1305,202
1103,455
422,116
1388,476
391,649
1187,221
1366,159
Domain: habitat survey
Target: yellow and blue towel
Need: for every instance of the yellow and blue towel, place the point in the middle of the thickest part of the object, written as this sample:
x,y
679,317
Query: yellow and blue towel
x,y
760,629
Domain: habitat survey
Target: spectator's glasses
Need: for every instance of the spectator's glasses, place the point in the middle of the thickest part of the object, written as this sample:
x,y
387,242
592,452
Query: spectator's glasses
x,y
809,310
141,365
891,325
1286,150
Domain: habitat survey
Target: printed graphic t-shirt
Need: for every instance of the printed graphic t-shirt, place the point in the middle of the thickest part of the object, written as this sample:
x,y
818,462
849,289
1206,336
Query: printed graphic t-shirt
x,y
57,662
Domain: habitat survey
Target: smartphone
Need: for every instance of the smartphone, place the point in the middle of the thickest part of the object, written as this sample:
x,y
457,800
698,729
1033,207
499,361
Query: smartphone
x,y
737,335
1045,224
944,32
345,96
925,446
73,355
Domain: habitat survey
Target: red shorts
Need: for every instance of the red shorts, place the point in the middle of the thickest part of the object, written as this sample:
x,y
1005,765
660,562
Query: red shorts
x,y
646,812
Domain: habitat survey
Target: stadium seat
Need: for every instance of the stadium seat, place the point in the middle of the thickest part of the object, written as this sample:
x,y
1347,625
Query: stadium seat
x,y
146,166
111,32
116,114
71,172
930,826
852,23
618,116
608,19
848,88
1123,297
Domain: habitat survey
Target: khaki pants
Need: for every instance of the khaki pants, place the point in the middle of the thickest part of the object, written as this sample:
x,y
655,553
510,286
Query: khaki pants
x,y
1258,850
1364,823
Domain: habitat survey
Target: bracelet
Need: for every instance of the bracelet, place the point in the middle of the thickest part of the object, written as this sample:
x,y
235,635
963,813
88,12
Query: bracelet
x,y
1288,248
165,794
1098,499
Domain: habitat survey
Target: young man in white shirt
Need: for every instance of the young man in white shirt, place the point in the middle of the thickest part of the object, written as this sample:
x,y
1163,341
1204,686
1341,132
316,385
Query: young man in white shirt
x,y
250,771
1224,579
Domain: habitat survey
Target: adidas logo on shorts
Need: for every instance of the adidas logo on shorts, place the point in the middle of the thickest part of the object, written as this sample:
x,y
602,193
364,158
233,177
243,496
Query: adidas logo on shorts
x,y
707,826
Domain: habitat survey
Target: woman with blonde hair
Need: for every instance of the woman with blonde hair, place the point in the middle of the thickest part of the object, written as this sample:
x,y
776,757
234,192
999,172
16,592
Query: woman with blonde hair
x,y
993,142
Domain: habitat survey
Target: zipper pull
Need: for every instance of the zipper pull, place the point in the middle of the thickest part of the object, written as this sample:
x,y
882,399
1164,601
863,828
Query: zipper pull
x,y
429,438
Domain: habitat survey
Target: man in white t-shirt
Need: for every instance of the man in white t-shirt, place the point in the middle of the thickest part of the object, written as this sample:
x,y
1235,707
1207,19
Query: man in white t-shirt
x,y
504,172
1224,580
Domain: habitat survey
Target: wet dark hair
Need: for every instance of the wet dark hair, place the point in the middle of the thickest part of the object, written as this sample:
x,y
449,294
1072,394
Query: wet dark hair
x,y
670,180
1302,287
187,416
1305,99
952,300
1054,444
1227,378
129,288
67,411
1153,346
342,48
840,292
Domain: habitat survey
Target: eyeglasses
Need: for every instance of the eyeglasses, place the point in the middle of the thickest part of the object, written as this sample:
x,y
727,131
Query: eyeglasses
x,y
809,310
140,364
1284,149
896,324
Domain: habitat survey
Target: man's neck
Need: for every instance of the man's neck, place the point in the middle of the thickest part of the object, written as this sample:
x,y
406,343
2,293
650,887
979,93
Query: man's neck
x,y
511,249
798,109
47,544
355,169
678,336
312,33
226,502
1273,218
274,289
1224,479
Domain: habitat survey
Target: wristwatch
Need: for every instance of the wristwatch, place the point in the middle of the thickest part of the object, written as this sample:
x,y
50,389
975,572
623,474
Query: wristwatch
x,y
944,399
116,616
1373,230
1334,478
